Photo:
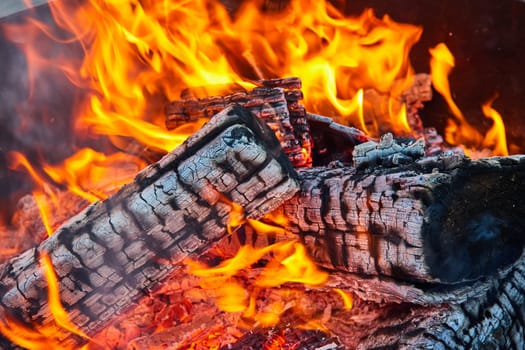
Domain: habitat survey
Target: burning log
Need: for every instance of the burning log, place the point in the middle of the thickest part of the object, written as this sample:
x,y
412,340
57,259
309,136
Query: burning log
x,y
438,220
114,251
307,138
276,102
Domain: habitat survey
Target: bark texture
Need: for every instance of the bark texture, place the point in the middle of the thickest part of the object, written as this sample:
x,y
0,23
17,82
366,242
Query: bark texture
x,y
114,251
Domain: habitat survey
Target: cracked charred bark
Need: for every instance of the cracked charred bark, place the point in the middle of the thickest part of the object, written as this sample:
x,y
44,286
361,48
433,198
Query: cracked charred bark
x,y
111,253
445,221
444,237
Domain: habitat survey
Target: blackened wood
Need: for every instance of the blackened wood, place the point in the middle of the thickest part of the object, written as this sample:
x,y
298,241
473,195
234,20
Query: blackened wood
x,y
442,220
114,251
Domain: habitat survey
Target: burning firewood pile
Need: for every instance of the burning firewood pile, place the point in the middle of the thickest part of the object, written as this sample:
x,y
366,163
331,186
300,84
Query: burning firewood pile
x,y
275,226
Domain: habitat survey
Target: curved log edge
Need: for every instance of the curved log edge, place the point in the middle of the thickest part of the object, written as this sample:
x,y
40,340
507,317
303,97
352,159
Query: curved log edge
x,y
114,251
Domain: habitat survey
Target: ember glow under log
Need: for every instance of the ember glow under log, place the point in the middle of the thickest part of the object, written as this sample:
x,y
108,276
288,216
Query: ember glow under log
x,y
114,251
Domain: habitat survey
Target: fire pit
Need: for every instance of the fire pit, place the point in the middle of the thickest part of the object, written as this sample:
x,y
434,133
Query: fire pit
x,y
261,175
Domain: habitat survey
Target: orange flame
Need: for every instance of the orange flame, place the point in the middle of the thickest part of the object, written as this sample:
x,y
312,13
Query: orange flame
x,y
55,305
93,175
288,262
291,264
44,209
441,64
88,174
142,51
42,337
495,139
44,196
459,131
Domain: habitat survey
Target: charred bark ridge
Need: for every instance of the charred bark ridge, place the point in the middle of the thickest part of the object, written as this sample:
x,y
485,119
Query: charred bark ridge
x,y
114,251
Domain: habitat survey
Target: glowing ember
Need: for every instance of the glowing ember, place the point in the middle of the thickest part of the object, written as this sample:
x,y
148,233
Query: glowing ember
x,y
286,262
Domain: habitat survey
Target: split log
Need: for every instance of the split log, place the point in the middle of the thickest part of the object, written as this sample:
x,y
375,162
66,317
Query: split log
x,y
277,102
110,254
439,220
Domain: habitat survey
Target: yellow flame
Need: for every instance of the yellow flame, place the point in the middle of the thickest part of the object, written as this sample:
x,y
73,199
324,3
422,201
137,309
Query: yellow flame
x,y
88,174
441,64
44,210
291,264
137,52
265,228
93,175
347,298
400,118
236,216
495,139
287,261
18,161
45,198
459,131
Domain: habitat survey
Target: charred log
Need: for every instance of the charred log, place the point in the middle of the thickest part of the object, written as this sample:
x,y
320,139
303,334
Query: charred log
x,y
110,254
277,102
446,220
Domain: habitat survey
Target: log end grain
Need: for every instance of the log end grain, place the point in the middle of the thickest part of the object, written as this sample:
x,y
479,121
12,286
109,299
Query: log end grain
x,y
476,223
